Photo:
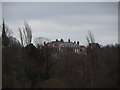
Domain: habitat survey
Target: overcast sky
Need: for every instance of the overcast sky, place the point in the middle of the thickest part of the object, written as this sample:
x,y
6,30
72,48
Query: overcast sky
x,y
0,9
65,20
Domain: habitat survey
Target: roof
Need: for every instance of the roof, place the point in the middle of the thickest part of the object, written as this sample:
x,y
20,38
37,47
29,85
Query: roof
x,y
63,44
57,44
81,46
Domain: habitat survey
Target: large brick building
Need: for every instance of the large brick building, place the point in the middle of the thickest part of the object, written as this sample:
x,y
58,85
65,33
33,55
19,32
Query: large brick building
x,y
62,45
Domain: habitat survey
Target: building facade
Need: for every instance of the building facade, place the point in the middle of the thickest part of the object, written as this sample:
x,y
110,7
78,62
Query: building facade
x,y
71,46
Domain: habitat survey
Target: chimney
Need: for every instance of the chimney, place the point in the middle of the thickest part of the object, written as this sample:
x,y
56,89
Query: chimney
x,y
78,42
69,40
56,40
44,43
62,40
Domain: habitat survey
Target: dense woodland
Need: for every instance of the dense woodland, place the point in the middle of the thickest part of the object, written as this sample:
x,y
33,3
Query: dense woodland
x,y
25,65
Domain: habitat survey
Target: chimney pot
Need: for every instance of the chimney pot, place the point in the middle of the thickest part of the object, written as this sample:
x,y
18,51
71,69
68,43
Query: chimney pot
x,y
62,40
44,43
56,40
78,42
74,42
69,40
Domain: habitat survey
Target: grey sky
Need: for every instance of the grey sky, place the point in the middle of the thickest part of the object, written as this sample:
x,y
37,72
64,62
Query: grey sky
x,y
0,11
65,20
0,16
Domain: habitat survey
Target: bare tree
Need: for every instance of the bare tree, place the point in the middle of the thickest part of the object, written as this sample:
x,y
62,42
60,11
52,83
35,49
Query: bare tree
x,y
90,38
7,38
87,38
6,31
21,36
39,41
25,35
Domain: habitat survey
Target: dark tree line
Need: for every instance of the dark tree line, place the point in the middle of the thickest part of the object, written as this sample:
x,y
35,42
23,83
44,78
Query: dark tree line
x,y
22,63
27,66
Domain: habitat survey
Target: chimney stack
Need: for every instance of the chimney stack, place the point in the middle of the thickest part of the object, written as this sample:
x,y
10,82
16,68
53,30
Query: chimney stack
x,y
56,40
62,40
44,43
69,40
78,42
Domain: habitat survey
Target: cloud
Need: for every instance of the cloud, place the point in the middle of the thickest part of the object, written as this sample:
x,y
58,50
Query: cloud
x,y
65,20
0,12
60,1
36,10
